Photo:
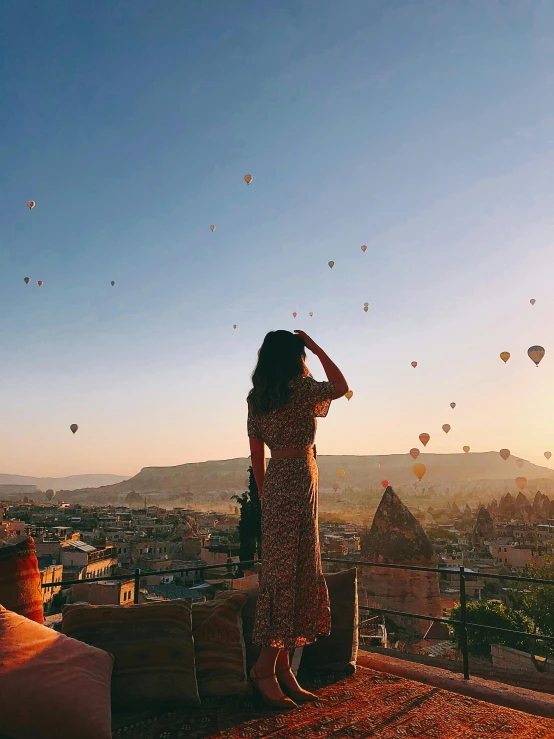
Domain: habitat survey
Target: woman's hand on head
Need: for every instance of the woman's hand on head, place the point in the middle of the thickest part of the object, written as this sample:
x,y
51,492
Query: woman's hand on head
x,y
309,343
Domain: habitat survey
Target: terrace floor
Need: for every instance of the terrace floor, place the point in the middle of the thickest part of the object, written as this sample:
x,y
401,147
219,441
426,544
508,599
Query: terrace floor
x,y
369,704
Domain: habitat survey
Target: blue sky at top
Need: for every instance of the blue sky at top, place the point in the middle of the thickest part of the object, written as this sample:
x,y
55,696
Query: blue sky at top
x,y
422,129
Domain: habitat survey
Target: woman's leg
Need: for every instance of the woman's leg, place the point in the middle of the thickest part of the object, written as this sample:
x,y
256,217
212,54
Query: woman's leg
x,y
264,672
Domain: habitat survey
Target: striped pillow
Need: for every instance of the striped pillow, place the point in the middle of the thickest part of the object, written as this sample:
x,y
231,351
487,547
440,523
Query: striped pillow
x,y
20,589
219,646
152,645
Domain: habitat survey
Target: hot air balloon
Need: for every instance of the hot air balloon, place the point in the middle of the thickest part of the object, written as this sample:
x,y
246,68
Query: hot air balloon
x,y
446,428
212,228
520,463
414,453
112,283
341,473
536,353
466,449
335,486
49,495
74,428
294,315
348,395
366,308
419,470
521,482
363,248
424,438
504,356
384,484
26,280
31,204
331,264
414,364
504,453
311,314
234,325
452,405
532,301
248,178
548,454
40,283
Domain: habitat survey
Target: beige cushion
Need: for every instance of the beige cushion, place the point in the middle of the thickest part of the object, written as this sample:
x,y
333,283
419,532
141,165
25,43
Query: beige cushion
x,y
152,645
219,646
51,686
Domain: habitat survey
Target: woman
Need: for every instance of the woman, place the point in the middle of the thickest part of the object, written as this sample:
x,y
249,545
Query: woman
x,y
293,603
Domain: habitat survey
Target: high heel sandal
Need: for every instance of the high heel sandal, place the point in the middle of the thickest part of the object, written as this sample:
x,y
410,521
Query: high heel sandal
x,y
283,702
298,696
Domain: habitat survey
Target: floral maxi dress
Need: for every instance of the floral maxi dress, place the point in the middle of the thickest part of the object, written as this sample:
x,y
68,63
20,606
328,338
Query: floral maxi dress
x,y
293,602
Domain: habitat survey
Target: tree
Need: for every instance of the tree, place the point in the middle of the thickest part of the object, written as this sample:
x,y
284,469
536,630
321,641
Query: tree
x,y
491,614
536,600
250,523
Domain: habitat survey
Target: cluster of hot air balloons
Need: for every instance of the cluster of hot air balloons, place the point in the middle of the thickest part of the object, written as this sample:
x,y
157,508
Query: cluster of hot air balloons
x,y
536,353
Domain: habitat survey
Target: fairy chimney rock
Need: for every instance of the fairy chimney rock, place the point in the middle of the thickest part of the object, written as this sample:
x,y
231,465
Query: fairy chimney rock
x,y
396,537
484,528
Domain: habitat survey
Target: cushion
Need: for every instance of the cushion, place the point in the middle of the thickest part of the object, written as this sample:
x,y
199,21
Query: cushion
x,y
248,614
219,646
50,685
339,650
20,589
152,645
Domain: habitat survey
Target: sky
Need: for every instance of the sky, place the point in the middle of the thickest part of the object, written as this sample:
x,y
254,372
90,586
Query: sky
x,y
421,129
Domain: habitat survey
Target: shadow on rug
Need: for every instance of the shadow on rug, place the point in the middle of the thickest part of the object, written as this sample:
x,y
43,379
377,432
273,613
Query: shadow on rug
x,y
367,704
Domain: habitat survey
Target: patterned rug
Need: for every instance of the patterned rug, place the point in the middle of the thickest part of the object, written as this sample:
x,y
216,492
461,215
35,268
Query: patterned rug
x,y
366,705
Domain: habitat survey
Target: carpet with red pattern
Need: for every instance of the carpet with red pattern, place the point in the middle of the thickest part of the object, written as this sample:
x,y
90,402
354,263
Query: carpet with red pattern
x,y
367,704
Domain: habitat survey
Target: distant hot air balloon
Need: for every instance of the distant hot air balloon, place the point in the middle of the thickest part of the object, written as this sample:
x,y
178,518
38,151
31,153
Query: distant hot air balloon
x,y
366,308
49,494
424,438
532,301
521,482
504,356
212,228
466,449
384,484
40,283
248,178
536,353
26,280
363,248
414,364
341,473
520,463
74,428
112,283
294,315
348,395
311,314
548,454
504,453
234,325
419,470
446,428
331,264
31,204
452,405
335,486
414,453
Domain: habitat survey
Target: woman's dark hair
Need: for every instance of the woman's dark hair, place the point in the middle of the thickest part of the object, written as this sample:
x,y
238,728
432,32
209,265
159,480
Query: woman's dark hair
x,y
280,360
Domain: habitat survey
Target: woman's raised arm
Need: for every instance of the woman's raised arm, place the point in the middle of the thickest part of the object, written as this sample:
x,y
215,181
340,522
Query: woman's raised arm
x,y
333,373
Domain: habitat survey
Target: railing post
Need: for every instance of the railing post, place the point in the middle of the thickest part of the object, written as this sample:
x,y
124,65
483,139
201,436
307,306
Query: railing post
x,y
137,586
463,619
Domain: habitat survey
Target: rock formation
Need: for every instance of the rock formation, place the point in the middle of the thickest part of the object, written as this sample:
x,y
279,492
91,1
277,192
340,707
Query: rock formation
x,y
483,531
396,537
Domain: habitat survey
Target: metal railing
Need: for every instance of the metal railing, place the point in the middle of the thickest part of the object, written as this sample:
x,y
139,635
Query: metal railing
x,y
462,622
138,573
